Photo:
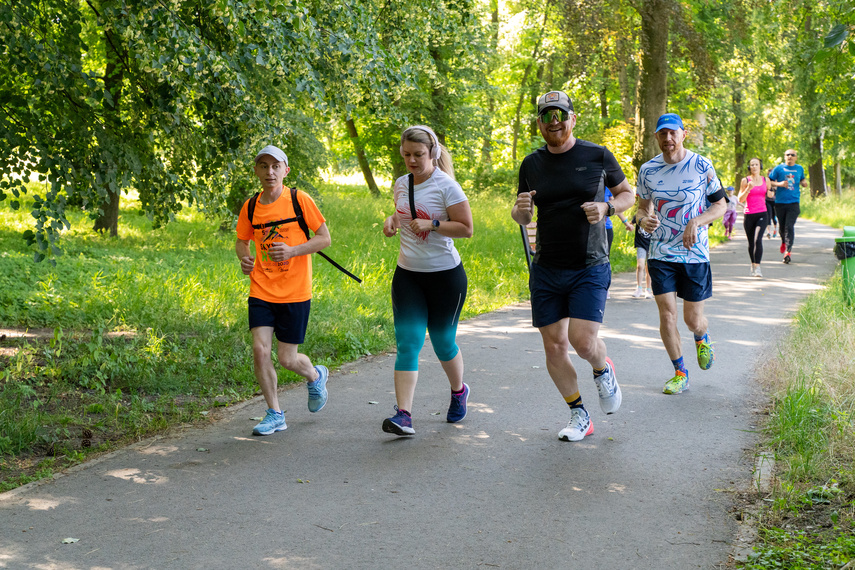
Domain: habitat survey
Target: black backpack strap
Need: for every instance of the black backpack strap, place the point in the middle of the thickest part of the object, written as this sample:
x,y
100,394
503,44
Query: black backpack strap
x,y
250,208
298,212
412,197
250,211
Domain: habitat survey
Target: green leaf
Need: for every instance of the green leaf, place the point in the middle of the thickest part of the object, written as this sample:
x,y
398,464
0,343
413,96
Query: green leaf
x,y
822,55
836,36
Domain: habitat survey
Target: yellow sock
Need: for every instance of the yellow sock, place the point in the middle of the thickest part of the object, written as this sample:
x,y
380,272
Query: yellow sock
x,y
574,401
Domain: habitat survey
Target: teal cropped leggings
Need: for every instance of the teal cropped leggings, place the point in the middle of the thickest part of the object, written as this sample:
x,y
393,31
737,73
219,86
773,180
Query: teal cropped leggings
x,y
427,301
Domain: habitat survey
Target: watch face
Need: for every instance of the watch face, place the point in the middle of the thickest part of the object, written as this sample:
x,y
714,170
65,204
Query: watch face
x,y
436,223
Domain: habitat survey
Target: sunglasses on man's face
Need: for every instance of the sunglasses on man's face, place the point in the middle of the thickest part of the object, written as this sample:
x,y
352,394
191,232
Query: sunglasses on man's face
x,y
549,114
789,154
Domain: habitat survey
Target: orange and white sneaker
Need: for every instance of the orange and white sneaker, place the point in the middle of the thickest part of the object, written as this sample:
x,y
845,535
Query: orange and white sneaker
x,y
578,427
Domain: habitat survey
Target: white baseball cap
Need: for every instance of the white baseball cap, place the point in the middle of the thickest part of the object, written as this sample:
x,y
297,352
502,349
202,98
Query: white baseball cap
x,y
273,151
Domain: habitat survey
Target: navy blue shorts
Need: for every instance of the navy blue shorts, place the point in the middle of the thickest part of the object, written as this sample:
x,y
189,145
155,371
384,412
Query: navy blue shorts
x,y
568,293
289,320
691,281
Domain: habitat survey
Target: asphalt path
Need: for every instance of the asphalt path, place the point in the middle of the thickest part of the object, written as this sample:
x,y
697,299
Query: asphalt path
x,y
649,489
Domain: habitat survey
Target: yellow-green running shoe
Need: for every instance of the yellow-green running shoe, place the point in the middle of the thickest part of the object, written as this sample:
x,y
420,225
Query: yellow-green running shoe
x,y
706,353
677,384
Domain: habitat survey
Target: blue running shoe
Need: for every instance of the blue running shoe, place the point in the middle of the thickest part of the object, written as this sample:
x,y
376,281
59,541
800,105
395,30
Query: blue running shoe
x,y
274,421
457,409
318,389
399,424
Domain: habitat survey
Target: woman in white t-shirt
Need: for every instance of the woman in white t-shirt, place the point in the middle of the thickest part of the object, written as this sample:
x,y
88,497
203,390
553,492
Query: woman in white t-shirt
x,y
429,285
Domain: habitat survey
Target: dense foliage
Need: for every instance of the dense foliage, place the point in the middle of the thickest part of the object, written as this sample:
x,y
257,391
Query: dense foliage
x,y
170,97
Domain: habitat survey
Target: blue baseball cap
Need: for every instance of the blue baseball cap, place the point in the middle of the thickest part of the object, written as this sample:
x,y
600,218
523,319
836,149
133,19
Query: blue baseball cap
x,y
669,121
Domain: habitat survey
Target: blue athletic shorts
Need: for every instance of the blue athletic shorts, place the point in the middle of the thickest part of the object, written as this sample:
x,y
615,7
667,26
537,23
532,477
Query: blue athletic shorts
x,y
691,281
289,320
568,293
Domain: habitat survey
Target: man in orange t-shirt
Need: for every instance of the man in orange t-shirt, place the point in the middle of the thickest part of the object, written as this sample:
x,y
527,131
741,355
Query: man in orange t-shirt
x,y
280,290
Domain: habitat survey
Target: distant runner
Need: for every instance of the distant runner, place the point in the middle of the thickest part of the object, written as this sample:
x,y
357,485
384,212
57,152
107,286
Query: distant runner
x,y
755,218
788,178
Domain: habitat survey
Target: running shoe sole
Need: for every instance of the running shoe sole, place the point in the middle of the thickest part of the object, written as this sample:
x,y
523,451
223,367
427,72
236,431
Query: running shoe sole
x,y
391,427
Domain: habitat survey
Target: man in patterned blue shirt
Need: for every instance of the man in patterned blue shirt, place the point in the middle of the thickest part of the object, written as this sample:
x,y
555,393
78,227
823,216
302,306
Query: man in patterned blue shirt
x,y
679,195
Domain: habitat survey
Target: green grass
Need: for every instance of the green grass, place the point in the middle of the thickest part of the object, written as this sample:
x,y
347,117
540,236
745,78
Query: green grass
x,y
808,521
148,330
834,211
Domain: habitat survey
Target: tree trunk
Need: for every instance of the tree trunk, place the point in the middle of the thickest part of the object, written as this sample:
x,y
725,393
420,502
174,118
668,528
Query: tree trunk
x,y
533,131
604,101
487,142
816,172
360,157
812,111
738,144
838,184
652,98
438,98
523,85
108,220
623,62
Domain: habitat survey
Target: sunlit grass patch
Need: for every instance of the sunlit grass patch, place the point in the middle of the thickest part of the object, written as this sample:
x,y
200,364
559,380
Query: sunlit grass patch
x,y
832,210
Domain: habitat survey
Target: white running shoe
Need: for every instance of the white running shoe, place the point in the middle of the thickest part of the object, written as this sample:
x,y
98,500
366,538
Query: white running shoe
x,y
639,294
607,386
757,272
753,272
578,427
648,294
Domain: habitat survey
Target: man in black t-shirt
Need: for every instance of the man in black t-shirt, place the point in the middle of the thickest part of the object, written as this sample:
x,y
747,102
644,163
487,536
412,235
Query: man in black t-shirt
x,y
570,273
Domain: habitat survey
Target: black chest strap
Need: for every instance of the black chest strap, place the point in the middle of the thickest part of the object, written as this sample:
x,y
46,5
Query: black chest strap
x,y
412,197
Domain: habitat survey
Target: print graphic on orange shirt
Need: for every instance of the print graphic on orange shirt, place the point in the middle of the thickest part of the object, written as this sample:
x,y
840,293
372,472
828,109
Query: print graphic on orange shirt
x,y
266,238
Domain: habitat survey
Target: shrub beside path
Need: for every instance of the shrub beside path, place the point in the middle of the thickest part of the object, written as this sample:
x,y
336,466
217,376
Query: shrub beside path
x,y
649,489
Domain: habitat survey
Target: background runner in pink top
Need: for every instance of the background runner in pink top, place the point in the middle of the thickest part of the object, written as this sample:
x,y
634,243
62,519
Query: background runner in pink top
x,y
756,198
752,193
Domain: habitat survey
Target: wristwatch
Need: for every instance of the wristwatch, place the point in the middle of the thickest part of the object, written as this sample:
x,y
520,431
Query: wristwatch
x,y
435,225
611,211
